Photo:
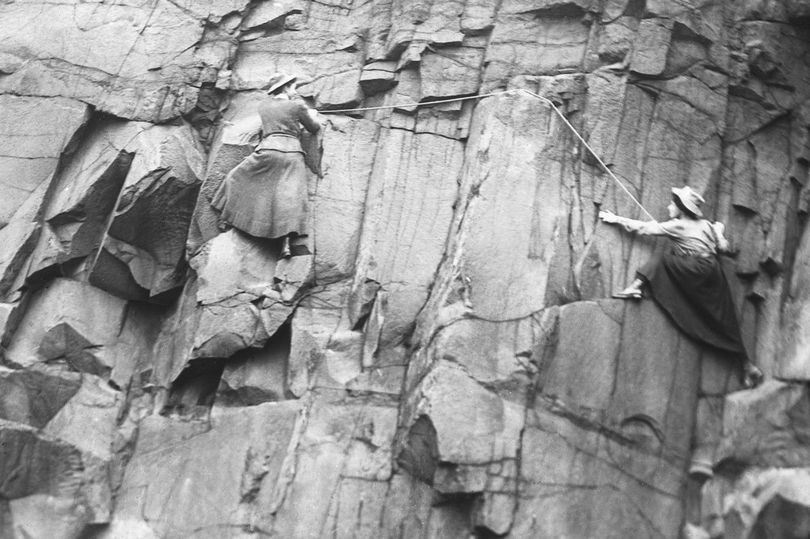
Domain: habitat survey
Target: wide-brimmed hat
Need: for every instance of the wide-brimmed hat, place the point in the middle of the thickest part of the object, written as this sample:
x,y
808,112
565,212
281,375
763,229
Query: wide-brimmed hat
x,y
689,199
278,80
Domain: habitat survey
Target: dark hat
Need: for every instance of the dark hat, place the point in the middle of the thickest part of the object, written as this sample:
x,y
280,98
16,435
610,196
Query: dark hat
x,y
689,199
278,80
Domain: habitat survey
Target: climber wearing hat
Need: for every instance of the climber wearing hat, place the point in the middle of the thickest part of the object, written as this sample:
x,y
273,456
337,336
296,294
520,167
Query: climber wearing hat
x,y
266,194
688,281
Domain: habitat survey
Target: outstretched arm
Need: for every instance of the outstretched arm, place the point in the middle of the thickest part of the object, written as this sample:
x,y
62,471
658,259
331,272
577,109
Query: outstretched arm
x,y
643,228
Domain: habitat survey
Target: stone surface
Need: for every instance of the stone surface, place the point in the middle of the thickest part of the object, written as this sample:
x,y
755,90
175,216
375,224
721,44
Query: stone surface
x,y
236,270
88,420
213,480
35,132
768,502
144,60
24,392
232,144
149,228
84,194
256,376
340,198
440,358
766,427
19,240
514,50
795,348
44,475
86,318
409,203
651,47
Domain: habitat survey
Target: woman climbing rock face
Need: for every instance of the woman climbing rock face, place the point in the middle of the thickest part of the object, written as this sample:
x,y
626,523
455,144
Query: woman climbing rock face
x,y
266,194
687,282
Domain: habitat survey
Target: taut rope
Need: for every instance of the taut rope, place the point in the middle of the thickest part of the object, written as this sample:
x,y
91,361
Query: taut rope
x,y
540,97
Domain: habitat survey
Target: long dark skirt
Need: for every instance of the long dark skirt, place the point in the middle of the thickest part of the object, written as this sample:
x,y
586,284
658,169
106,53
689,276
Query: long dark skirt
x,y
266,194
696,295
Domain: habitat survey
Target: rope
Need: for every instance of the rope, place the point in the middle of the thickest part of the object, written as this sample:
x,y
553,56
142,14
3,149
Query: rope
x,y
414,104
540,97
582,140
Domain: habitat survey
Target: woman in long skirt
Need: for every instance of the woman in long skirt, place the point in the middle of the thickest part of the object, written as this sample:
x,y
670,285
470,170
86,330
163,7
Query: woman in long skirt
x,y
687,282
266,194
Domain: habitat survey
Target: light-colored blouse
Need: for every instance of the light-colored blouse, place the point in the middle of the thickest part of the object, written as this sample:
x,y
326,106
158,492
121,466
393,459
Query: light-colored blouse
x,y
690,236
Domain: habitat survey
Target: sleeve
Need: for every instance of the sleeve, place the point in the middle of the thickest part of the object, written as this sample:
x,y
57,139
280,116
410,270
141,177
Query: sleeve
x,y
723,245
243,131
647,228
306,117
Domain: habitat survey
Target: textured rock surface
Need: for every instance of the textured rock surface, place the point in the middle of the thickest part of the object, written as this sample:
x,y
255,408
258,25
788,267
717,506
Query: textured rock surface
x,y
440,360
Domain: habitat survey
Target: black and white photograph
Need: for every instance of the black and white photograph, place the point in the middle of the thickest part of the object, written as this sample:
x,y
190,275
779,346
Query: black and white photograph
x,y
404,269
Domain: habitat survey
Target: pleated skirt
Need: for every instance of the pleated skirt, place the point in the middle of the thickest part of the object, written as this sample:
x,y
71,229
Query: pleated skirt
x,y
266,195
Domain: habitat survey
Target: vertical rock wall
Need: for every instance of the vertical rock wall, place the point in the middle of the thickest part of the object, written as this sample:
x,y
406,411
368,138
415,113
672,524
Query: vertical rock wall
x,y
441,359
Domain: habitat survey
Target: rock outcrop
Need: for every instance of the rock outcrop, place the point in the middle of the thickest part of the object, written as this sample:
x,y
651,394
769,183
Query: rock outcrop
x,y
441,358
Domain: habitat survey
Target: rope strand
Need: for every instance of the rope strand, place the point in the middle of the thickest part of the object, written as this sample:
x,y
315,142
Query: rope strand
x,y
414,104
582,140
480,96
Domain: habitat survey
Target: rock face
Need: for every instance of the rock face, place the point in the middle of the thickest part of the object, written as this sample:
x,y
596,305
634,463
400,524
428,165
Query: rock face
x,y
440,359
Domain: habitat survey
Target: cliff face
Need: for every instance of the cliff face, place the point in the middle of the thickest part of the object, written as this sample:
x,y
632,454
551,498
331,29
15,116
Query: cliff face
x,y
443,363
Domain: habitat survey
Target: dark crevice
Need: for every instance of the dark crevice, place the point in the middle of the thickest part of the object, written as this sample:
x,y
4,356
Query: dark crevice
x,y
361,302
94,531
40,278
192,393
112,275
252,376
91,214
206,114
558,10
635,8
684,33
420,452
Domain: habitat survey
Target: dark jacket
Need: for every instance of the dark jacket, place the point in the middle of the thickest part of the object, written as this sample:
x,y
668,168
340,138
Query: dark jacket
x,y
281,124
